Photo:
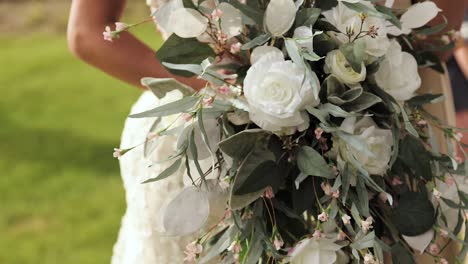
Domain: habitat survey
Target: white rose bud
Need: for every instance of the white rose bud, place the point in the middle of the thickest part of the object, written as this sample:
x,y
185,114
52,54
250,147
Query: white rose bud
x,y
398,73
315,250
279,16
337,65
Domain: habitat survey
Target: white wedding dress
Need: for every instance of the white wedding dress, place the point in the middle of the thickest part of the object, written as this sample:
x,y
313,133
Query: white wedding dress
x,y
140,239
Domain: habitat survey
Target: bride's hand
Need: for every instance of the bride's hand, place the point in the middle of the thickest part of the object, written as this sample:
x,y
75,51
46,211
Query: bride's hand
x,y
126,58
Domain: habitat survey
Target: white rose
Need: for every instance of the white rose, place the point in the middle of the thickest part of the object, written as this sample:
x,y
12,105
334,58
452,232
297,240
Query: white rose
x,y
343,17
398,73
278,92
337,65
315,250
379,142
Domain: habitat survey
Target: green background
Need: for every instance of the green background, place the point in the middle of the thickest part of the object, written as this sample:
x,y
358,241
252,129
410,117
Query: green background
x,y
61,196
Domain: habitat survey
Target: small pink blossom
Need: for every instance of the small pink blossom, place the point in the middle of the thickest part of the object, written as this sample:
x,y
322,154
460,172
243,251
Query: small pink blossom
x,y
346,219
318,132
151,135
119,26
443,233
442,261
436,193
327,189
341,236
383,197
186,117
235,48
235,247
216,14
269,193
222,37
369,259
458,136
396,181
422,123
449,180
224,90
458,159
445,39
278,243
117,153
318,234
323,217
208,101
434,249
336,194
335,170
367,224
192,251
224,184
108,34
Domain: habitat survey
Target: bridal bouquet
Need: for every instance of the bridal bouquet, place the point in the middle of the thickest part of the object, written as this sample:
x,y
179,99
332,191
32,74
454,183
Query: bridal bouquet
x,y
311,126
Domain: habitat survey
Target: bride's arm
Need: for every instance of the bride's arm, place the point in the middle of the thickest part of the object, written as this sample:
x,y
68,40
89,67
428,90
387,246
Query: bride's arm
x,y
126,58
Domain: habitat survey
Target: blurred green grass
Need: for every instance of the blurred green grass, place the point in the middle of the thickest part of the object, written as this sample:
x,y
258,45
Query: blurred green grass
x,y
61,197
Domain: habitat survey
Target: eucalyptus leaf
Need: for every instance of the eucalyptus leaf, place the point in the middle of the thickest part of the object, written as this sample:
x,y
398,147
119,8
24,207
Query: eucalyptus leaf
x,y
414,155
310,162
161,86
354,53
401,255
257,41
150,145
264,175
221,244
167,172
240,144
364,242
362,103
307,17
177,50
175,107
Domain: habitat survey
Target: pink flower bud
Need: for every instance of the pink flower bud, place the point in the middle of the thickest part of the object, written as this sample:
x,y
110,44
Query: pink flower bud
x,y
323,217
235,48
346,219
224,90
119,26
433,248
327,189
269,193
186,117
396,181
216,14
278,243
318,132
117,153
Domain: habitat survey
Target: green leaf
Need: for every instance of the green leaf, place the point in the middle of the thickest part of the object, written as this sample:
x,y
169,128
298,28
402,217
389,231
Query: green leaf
x,y
264,175
179,50
257,41
354,53
240,144
161,86
401,255
310,162
362,103
176,107
221,244
254,14
189,4
423,99
415,156
361,8
414,214
364,242
326,4
193,150
389,15
363,198
307,17
150,145
167,172
335,111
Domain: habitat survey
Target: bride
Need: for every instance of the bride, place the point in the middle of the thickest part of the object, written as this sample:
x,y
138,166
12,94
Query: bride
x,y
129,60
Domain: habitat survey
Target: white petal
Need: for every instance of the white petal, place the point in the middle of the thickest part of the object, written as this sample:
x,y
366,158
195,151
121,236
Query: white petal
x,y
419,14
389,3
231,20
187,212
420,242
279,16
187,23
259,52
